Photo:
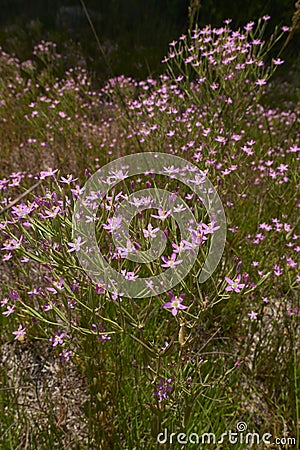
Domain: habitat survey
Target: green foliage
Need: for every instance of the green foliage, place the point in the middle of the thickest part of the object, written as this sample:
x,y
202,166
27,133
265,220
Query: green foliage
x,y
138,368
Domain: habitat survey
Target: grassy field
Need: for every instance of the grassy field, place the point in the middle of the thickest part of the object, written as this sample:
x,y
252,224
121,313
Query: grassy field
x,y
85,365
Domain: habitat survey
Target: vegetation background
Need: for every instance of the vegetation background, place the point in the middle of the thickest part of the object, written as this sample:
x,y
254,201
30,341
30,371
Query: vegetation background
x,y
134,33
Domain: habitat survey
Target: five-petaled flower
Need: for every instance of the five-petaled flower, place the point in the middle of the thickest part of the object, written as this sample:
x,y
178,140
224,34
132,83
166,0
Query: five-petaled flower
x,y
75,246
163,388
252,315
162,214
175,304
113,224
171,261
234,285
19,333
58,339
150,231
10,310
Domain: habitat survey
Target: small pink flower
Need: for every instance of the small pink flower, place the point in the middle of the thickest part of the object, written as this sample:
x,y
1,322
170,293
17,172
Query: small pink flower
x,y
20,333
10,310
68,179
234,285
150,231
261,82
129,275
171,262
277,270
47,173
65,355
278,62
58,339
114,223
252,315
162,214
249,26
100,287
175,303
75,247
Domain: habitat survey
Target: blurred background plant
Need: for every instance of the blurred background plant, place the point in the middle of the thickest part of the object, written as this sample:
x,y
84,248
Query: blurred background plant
x,y
134,34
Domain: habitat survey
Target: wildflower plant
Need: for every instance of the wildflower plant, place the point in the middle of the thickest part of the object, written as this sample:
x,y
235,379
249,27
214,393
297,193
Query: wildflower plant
x,y
176,353
224,66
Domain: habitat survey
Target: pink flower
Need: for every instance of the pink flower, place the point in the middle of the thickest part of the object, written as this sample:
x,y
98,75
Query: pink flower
x,y
175,303
12,244
47,173
19,333
129,275
171,261
278,61
68,179
210,228
277,270
184,245
221,139
261,82
65,355
161,214
249,26
58,339
75,247
10,310
114,223
57,285
234,285
100,287
252,315
150,231
4,302
7,257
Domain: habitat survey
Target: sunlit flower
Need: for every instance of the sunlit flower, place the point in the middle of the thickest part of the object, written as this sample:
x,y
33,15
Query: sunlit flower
x,y
252,315
150,231
261,82
58,339
162,214
171,261
10,310
114,223
19,333
234,285
175,304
